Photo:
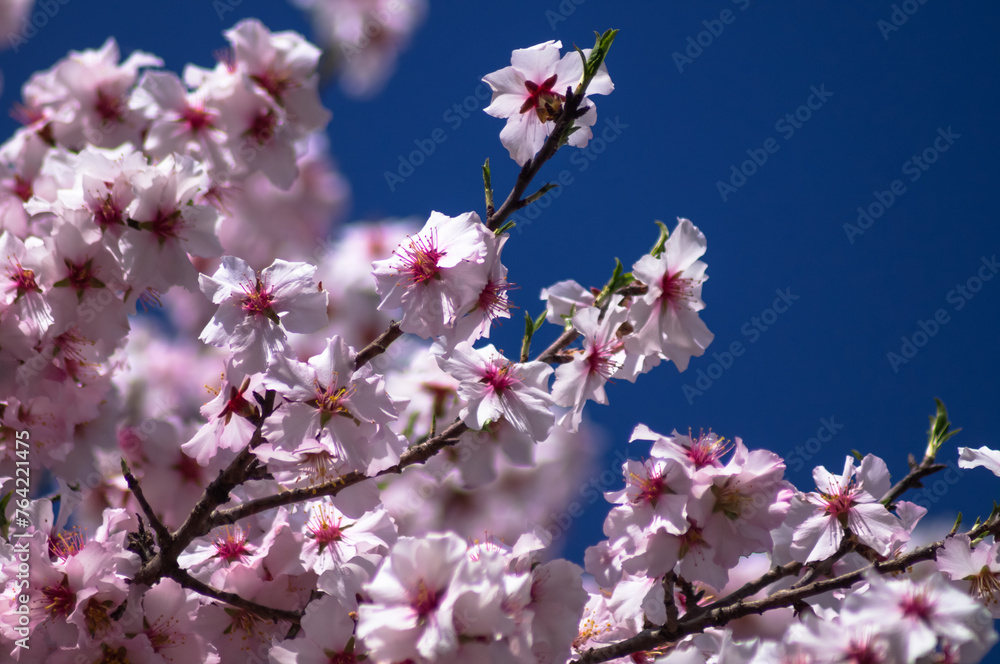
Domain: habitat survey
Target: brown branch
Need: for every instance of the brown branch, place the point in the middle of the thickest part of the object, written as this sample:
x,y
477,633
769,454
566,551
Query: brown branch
x,y
570,112
162,533
668,600
378,346
164,562
416,454
270,613
912,480
719,616
755,586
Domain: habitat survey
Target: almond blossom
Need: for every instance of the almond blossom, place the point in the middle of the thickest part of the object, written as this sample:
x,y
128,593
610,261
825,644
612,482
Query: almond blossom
x,y
849,502
494,387
411,614
530,94
330,404
603,353
436,274
666,318
256,308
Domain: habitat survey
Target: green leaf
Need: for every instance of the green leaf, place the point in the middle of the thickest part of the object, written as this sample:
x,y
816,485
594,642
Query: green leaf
x,y
940,430
488,186
506,227
661,243
619,279
597,56
530,327
541,192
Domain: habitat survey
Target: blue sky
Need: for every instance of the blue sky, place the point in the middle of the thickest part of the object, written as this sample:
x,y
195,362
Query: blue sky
x,y
824,108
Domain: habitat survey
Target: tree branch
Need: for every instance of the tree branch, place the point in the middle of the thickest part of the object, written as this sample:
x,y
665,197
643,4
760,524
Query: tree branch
x,y
717,616
191,583
416,454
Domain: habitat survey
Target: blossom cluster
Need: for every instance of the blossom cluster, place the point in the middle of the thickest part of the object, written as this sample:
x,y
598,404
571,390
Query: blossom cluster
x,y
367,479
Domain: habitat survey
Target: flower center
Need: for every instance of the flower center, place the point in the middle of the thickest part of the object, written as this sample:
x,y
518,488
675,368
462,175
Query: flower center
x,y
262,127
109,107
707,449
67,544
23,280
677,291
188,469
729,500
22,188
840,503
258,299
918,605
424,600
59,600
106,212
499,375
649,488
96,618
197,119
547,104
324,530
233,547
599,360
986,585
493,299
80,276
421,259
692,539
167,225
274,83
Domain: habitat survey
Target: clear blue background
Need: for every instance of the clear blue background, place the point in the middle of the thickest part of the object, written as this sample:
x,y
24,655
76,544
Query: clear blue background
x,y
826,357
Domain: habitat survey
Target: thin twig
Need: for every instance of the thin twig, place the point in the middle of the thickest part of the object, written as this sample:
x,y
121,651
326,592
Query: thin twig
x,y
162,533
912,480
379,346
270,613
416,454
649,639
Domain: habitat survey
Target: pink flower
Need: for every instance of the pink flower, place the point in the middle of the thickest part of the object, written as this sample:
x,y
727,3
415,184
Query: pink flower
x,y
282,65
329,404
849,502
984,456
436,274
23,265
255,309
327,629
923,613
411,610
602,356
167,227
227,427
666,318
494,387
530,94
976,568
